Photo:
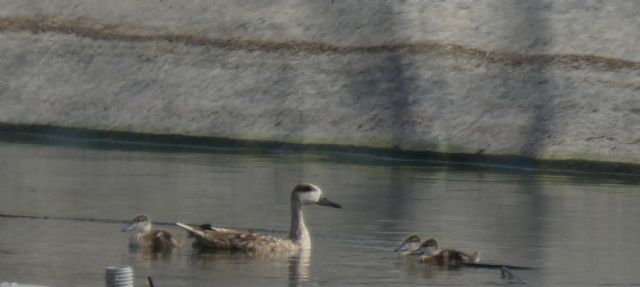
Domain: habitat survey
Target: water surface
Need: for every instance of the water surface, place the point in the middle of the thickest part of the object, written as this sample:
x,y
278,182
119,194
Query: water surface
x,y
578,230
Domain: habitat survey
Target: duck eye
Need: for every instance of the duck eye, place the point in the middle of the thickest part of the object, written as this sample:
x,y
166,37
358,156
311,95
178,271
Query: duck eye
x,y
304,188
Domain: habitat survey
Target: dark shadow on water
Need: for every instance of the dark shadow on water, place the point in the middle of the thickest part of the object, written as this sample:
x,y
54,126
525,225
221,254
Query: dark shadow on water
x,y
399,194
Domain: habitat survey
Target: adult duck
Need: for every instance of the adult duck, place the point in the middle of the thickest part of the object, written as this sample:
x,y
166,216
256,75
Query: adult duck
x,y
299,239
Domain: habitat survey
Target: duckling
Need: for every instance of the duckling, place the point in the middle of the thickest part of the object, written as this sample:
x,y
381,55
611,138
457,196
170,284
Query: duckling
x,y
244,240
409,245
431,253
146,237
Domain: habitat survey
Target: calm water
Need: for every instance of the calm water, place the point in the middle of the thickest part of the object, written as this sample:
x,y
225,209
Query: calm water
x,y
579,230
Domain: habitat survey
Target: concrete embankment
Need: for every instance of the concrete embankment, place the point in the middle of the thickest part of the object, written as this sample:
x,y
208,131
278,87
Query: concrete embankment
x,y
546,80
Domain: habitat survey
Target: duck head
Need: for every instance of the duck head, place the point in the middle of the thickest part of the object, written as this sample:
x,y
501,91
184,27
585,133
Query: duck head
x,y
139,223
427,248
307,194
410,244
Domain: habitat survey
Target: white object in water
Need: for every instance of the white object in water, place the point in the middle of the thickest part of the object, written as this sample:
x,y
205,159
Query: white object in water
x,y
119,276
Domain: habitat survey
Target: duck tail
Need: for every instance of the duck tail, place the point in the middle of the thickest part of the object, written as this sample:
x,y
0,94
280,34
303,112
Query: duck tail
x,y
192,231
474,257
176,241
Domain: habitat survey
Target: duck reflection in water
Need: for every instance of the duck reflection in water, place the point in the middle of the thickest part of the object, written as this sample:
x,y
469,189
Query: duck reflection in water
x,y
299,268
294,268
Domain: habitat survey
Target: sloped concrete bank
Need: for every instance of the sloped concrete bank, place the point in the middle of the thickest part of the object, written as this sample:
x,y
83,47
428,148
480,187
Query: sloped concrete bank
x,y
554,82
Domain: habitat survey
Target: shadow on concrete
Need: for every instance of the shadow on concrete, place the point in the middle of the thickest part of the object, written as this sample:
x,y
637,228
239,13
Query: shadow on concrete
x,y
383,86
380,85
532,84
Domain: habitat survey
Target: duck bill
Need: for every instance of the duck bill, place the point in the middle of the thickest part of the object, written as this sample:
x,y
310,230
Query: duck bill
x,y
417,252
129,227
401,248
325,202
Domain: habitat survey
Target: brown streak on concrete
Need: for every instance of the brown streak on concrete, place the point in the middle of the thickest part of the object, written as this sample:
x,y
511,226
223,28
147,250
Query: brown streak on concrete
x,y
126,32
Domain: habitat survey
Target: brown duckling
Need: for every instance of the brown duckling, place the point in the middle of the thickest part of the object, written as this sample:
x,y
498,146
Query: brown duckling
x,y
409,245
146,237
431,253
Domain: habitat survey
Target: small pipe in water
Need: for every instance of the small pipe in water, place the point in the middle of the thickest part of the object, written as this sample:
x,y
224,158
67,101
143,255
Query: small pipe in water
x,y
119,276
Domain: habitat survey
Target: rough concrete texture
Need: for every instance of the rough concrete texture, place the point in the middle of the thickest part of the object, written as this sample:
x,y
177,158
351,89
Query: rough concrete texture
x,y
543,79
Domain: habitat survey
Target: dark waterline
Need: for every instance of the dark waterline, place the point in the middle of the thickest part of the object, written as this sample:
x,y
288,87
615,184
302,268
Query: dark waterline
x,y
99,139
